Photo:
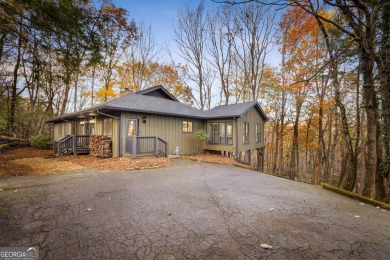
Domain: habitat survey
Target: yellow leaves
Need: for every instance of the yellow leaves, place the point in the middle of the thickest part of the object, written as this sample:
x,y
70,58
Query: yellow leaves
x,y
105,92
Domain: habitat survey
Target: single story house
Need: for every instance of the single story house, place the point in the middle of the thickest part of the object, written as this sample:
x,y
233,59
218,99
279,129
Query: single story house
x,y
154,121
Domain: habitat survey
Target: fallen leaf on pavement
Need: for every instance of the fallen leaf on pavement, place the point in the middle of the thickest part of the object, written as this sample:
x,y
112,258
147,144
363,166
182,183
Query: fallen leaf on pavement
x,y
266,246
271,209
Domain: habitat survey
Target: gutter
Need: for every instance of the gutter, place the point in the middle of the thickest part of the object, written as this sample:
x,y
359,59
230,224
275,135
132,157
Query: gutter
x,y
104,114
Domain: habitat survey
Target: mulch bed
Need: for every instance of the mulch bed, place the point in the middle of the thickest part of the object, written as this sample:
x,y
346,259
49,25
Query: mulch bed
x,y
32,161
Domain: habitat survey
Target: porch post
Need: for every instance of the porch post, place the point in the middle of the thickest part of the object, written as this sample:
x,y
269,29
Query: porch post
x,y
166,149
74,144
156,145
134,147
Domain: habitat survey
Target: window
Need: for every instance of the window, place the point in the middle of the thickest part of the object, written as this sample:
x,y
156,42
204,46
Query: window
x,y
107,127
245,133
220,133
187,126
258,132
262,133
229,133
131,127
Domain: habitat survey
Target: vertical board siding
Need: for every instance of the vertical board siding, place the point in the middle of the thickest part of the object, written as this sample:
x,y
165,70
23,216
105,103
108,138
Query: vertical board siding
x,y
253,117
167,128
66,129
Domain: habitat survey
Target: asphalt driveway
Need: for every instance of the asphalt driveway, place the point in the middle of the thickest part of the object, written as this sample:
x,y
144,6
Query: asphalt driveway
x,y
187,211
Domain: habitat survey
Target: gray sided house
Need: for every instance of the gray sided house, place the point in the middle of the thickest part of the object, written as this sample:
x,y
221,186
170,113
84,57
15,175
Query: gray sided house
x,y
153,121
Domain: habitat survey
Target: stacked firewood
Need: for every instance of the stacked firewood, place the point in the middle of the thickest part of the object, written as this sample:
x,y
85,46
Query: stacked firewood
x,y
100,146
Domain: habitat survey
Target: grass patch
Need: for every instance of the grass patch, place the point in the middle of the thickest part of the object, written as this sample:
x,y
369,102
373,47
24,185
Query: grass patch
x,y
355,196
6,187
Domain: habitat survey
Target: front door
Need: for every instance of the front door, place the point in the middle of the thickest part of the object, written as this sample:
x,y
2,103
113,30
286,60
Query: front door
x,y
132,132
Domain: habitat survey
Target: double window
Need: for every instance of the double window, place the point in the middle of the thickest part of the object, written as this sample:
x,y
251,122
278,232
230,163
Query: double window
x,y
220,133
187,126
245,133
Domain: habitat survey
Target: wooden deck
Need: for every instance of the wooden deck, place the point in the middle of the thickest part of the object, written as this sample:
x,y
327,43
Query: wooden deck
x,y
72,144
142,145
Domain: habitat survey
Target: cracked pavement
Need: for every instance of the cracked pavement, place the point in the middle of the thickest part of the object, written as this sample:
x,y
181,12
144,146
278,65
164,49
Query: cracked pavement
x,y
189,210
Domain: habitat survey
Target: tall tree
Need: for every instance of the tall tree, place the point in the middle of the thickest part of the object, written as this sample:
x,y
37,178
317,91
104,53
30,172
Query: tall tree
x,y
222,37
254,31
117,35
190,34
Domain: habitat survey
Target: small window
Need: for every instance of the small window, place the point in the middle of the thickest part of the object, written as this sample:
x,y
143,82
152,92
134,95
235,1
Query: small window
x,y
107,127
245,133
258,133
222,134
187,126
229,132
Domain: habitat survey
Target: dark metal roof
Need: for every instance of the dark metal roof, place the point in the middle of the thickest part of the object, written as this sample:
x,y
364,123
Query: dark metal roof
x,y
153,105
234,110
139,102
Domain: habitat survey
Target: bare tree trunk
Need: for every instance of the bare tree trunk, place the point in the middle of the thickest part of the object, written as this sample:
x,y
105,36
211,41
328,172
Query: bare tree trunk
x,y
371,135
275,133
93,85
14,90
76,81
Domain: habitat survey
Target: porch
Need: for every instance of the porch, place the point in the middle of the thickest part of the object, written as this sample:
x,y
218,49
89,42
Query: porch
x,y
140,146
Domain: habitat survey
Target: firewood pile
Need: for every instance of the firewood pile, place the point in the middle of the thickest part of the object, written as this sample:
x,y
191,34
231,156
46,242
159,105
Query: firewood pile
x,y
100,146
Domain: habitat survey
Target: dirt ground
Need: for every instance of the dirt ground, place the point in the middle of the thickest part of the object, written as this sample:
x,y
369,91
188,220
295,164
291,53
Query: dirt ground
x,y
218,159
32,161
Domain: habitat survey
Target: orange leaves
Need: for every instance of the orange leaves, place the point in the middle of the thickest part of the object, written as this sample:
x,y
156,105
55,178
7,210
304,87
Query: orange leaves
x,y
137,75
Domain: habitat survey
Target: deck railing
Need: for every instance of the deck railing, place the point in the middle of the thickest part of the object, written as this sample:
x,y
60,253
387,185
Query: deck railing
x,y
149,145
76,144
80,144
142,145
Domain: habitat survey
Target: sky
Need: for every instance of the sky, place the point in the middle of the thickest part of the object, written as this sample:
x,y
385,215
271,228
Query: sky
x,y
159,14
162,14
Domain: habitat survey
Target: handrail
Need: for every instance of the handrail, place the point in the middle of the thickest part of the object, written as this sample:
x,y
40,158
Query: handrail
x,y
72,144
149,145
64,144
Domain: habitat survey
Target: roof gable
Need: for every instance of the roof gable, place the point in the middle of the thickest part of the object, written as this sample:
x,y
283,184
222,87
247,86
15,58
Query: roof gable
x,y
235,110
157,91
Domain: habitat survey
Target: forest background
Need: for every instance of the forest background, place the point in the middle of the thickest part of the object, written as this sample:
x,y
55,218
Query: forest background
x,y
328,100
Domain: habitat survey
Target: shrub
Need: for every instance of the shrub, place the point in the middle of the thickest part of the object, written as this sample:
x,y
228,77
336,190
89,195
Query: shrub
x,y
40,141
201,136
4,147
